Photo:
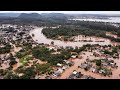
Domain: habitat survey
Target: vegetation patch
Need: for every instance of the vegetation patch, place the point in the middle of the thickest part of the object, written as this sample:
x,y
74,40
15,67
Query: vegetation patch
x,y
25,59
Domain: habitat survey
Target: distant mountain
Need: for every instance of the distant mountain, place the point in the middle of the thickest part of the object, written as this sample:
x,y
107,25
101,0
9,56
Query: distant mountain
x,y
53,14
30,15
43,16
9,14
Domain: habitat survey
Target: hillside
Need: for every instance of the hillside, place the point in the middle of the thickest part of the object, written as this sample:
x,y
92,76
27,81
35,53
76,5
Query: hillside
x,y
31,15
9,14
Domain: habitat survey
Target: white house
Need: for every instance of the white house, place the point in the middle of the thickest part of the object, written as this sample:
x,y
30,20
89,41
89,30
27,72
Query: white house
x,y
58,64
101,71
60,70
74,72
73,56
65,67
21,74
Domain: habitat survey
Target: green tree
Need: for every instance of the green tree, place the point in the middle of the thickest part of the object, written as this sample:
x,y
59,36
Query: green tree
x,y
12,62
10,75
52,42
118,32
98,62
33,35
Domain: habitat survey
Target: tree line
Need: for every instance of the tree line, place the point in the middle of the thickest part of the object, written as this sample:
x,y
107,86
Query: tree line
x,y
73,30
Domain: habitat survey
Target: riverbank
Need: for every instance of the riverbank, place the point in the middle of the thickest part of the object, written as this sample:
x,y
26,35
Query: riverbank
x,y
39,37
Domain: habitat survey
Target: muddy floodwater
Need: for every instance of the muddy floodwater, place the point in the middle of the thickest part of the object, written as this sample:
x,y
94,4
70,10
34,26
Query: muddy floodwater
x,y
110,19
39,37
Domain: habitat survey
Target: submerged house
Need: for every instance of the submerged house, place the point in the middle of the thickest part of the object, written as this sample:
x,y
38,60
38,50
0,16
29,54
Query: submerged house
x,y
58,72
65,67
58,64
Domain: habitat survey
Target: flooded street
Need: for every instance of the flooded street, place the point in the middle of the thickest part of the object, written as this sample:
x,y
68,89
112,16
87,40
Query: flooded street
x,y
78,62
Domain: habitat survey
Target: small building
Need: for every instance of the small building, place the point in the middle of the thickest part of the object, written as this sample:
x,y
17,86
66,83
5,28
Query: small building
x,y
72,76
94,70
102,71
58,64
65,67
48,77
73,56
33,45
74,72
21,74
58,72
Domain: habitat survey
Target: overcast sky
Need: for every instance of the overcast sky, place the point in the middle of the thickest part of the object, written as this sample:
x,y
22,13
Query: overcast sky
x,y
66,12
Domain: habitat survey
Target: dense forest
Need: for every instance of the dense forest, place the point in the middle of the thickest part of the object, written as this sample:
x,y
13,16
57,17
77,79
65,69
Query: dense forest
x,y
96,26
65,31
87,28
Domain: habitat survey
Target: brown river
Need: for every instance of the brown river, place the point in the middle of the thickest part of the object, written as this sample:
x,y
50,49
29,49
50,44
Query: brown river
x,y
39,37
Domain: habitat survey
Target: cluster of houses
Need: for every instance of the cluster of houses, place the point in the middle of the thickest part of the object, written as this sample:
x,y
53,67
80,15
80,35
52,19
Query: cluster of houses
x,y
93,68
107,61
78,75
13,33
75,75
7,35
83,38
60,68
85,65
98,51
4,61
